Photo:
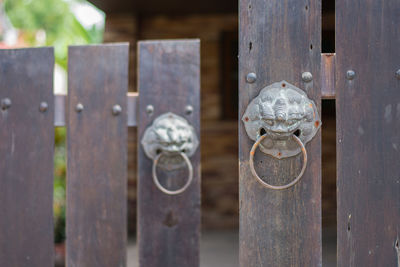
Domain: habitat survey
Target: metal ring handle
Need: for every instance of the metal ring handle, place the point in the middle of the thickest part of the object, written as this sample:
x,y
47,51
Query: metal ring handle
x,y
163,189
277,187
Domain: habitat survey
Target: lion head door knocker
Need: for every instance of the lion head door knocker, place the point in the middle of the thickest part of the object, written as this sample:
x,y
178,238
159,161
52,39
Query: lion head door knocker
x,y
169,142
281,120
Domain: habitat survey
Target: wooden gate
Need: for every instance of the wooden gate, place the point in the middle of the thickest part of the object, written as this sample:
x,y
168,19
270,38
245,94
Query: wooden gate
x,y
96,113
283,77
281,41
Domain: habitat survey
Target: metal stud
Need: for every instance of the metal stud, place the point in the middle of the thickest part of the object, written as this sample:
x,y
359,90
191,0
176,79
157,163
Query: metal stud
x,y
350,74
149,109
5,103
189,110
43,107
398,74
306,77
116,110
79,107
251,77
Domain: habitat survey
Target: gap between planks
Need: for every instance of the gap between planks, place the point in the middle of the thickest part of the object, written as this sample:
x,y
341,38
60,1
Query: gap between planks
x,y
327,89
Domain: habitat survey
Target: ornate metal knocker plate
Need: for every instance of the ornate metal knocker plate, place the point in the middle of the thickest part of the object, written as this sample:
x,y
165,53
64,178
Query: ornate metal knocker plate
x,y
169,142
281,120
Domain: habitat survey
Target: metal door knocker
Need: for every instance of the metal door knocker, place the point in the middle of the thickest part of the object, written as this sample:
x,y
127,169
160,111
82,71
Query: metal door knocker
x,y
281,120
169,142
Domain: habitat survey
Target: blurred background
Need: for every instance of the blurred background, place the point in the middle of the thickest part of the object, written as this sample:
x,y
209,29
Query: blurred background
x,y
60,23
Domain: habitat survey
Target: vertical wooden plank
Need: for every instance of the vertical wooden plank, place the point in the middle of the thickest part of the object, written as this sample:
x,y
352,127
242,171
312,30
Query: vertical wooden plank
x,y
96,192
168,226
26,158
368,139
279,40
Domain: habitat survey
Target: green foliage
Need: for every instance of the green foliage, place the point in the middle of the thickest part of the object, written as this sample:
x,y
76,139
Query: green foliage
x,y
55,18
59,185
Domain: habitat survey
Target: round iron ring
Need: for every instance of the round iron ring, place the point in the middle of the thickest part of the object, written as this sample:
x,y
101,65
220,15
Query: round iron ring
x,y
277,187
157,182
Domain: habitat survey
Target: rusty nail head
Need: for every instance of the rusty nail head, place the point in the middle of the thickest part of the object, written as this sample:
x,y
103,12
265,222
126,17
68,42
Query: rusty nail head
x,y
116,110
398,74
79,107
189,109
306,76
350,74
5,103
251,77
149,109
43,107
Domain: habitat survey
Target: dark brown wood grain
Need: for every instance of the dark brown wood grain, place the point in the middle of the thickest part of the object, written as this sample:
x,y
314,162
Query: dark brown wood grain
x,y
368,126
168,226
279,40
26,158
328,76
97,157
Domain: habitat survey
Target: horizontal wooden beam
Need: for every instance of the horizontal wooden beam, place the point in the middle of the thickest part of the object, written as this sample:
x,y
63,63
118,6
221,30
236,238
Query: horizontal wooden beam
x,y
60,111
328,76
132,109
327,88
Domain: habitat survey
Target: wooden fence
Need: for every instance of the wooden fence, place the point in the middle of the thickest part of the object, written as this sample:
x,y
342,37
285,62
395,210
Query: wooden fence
x,y
96,113
279,41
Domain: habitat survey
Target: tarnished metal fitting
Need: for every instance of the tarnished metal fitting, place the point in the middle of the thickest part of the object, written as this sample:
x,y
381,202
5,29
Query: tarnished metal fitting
x,y
170,134
116,110
350,75
281,120
169,142
5,103
79,107
189,110
251,77
281,110
398,74
160,186
278,187
43,107
149,109
306,77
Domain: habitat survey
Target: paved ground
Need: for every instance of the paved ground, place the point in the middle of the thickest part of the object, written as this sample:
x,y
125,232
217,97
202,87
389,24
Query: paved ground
x,y
220,249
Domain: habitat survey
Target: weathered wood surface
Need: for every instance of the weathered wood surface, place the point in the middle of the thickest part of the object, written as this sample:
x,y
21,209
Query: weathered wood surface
x,y
279,40
97,176
168,226
368,126
328,76
26,158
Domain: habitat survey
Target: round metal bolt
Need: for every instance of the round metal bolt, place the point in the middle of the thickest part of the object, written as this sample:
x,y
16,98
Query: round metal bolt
x,y
116,110
251,77
43,107
306,76
350,74
6,103
79,107
398,74
189,110
149,109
